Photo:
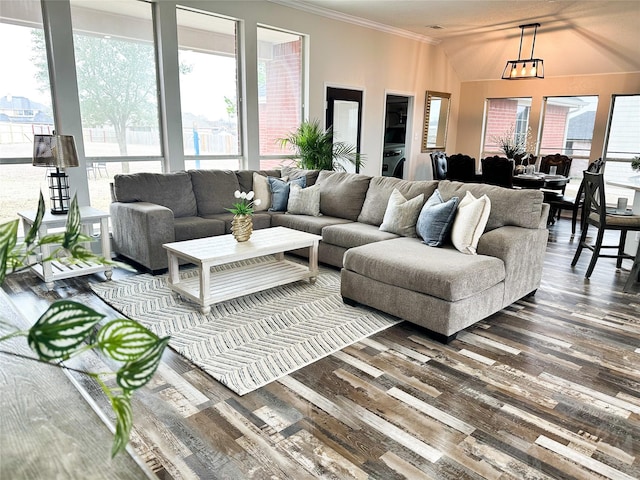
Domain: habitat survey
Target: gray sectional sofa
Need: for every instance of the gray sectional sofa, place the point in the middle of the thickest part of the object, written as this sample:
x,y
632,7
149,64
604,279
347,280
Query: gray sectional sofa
x,y
439,288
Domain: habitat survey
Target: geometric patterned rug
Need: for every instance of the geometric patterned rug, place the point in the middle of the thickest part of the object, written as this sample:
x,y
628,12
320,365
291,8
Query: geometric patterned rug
x,y
253,340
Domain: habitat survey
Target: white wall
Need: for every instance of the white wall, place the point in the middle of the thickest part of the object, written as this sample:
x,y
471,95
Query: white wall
x,y
351,56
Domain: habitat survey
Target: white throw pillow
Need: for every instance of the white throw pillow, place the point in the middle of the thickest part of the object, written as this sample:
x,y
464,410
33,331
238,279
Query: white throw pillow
x,y
471,219
401,214
261,191
304,201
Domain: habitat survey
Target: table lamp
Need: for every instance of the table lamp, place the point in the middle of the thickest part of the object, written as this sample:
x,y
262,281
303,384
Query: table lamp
x,y
57,151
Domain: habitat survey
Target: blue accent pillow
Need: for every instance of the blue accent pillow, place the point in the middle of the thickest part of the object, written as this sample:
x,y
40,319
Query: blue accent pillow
x,y
280,192
436,219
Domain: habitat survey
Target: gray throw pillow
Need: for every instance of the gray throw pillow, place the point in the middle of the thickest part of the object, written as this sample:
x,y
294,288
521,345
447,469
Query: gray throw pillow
x,y
436,218
304,201
401,214
280,192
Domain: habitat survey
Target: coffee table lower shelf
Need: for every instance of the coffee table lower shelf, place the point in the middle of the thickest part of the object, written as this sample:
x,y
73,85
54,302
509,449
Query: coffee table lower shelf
x,y
235,282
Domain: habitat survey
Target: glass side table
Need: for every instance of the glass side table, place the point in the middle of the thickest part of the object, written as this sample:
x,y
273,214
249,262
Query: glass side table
x,y
59,268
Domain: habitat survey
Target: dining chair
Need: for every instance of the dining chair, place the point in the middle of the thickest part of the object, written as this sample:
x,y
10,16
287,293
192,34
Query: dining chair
x,y
596,214
576,203
498,170
439,165
562,164
461,168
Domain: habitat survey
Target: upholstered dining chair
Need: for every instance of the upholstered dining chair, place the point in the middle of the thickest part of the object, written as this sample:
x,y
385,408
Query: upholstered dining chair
x,y
439,165
575,204
461,168
498,170
596,214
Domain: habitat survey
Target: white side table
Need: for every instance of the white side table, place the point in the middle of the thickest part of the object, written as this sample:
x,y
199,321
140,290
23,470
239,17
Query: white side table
x,y
58,268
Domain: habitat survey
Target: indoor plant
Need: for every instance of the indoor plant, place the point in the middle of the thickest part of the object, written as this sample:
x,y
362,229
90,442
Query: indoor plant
x,y
242,223
316,149
635,164
67,328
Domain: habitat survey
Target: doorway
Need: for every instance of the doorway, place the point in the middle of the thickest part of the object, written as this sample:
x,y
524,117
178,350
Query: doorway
x,y
395,135
344,114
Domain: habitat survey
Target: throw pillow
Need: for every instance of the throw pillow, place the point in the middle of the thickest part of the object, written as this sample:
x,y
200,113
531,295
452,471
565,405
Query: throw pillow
x,y
470,222
280,192
435,219
402,214
262,192
304,201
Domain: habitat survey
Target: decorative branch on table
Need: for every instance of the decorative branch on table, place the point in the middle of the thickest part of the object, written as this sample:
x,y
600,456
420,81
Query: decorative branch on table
x,y
513,144
67,328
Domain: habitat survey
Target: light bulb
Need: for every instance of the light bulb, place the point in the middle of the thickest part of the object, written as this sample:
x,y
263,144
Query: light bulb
x,y
534,70
514,71
524,70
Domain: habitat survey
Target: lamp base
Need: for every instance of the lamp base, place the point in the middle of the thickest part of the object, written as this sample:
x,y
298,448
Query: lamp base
x,y
61,211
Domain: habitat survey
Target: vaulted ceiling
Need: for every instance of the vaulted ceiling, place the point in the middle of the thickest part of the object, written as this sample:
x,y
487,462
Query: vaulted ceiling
x,y
583,37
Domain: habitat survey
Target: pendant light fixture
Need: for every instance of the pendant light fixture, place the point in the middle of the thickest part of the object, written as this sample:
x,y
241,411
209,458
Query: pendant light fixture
x,y
524,68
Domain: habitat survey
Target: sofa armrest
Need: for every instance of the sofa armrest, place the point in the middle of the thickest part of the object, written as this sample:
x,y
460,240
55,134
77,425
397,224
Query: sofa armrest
x,y
522,250
544,215
139,230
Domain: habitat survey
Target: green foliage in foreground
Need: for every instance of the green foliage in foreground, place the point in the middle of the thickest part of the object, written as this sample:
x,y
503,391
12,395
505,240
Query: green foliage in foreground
x,y
67,328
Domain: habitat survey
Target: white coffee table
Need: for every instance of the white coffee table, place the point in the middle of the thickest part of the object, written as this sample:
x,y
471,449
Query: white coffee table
x,y
209,288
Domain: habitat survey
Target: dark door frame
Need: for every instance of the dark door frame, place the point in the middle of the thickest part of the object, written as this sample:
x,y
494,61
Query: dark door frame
x,y
346,94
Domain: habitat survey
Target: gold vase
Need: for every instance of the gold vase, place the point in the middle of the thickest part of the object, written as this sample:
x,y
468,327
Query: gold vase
x,y
241,227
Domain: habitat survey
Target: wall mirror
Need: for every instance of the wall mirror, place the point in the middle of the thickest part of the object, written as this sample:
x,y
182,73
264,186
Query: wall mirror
x,y
436,119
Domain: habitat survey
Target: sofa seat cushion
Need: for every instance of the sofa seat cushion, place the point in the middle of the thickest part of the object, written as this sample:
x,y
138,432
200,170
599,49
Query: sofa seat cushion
x,y
442,272
214,190
171,190
520,208
342,194
349,235
380,189
305,223
188,228
260,220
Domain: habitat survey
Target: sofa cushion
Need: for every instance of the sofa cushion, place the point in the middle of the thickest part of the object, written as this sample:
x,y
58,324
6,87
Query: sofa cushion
x,y
280,192
354,234
435,219
306,223
304,201
259,220
402,214
520,208
440,272
171,190
188,228
311,176
342,194
214,190
379,191
245,177
470,223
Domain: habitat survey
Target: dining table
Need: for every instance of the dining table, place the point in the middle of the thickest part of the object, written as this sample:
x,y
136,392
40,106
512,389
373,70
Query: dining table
x,y
540,180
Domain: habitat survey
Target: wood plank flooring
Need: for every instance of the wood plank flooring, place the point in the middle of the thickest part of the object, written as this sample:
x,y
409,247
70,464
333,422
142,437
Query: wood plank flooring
x,y
547,388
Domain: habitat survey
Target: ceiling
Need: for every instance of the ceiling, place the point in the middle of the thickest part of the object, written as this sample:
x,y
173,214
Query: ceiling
x,y
583,37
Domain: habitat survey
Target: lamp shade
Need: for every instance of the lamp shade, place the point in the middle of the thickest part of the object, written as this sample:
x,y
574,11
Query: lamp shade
x,y
55,151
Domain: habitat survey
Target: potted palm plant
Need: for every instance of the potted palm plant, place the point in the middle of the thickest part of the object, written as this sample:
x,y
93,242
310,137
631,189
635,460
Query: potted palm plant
x,y
316,149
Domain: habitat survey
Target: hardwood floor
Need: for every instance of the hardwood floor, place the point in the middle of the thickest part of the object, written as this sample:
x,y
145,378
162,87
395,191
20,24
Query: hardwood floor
x,y
547,388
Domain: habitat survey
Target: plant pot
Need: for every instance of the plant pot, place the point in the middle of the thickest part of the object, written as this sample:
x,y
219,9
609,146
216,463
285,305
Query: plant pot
x,y
242,227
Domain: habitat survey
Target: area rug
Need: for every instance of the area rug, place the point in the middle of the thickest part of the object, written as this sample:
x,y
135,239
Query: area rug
x,y
253,340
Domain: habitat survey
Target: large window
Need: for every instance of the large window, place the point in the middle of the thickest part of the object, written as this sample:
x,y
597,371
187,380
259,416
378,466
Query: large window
x,y
567,128
117,79
25,105
280,80
208,88
622,142
506,121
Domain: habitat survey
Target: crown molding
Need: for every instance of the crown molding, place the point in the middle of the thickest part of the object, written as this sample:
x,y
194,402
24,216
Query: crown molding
x,y
362,22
